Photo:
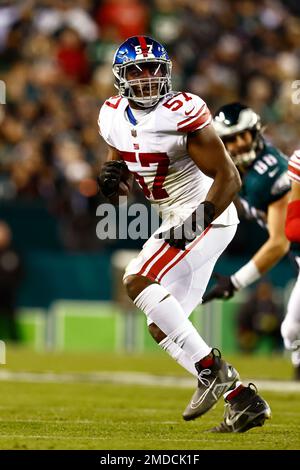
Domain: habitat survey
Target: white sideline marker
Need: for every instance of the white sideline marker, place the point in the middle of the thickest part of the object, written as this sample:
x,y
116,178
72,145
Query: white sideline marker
x,y
2,353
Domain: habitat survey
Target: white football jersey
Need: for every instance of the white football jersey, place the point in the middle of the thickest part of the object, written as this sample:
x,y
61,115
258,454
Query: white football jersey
x,y
155,151
294,167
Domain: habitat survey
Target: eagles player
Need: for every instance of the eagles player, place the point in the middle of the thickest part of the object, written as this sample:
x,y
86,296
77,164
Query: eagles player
x,y
265,197
167,142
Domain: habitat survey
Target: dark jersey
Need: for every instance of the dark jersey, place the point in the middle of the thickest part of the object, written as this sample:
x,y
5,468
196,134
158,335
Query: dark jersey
x,y
266,180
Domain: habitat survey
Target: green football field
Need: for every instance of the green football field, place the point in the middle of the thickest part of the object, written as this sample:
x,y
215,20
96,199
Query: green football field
x,y
102,401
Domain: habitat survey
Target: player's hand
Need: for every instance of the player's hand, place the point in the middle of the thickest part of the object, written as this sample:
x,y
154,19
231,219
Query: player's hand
x,y
224,289
110,177
182,235
191,228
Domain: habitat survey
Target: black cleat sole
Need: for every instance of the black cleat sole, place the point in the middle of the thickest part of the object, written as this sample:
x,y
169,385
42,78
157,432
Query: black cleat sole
x,y
257,422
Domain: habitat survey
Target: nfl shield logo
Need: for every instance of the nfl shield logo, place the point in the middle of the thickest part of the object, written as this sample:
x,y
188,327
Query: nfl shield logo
x,y
133,133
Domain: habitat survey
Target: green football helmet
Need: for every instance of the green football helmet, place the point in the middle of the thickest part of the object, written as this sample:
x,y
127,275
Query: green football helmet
x,y
233,119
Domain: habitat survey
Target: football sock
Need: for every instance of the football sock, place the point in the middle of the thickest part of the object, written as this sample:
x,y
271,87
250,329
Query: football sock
x,y
206,362
166,312
238,387
178,355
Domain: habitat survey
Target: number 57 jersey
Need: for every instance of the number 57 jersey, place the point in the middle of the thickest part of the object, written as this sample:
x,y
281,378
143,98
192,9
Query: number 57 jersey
x,y
154,147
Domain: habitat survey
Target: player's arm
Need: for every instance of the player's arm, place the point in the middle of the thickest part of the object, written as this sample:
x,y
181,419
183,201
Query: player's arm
x,y
249,212
264,259
295,192
112,154
110,179
277,245
208,152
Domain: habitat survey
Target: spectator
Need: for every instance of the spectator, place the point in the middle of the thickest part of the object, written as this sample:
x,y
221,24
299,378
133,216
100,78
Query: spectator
x,y
55,59
71,56
129,17
63,14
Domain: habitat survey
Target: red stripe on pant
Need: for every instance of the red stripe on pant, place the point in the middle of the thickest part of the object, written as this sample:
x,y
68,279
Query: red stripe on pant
x,y
194,243
162,262
171,253
145,266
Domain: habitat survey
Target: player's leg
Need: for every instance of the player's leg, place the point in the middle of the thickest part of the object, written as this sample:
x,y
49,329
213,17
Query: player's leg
x,y
177,272
173,349
215,376
222,377
169,322
290,328
188,280
188,292
162,309
244,409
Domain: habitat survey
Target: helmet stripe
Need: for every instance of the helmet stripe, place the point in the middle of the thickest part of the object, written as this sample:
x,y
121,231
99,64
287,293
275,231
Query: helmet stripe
x,y
143,45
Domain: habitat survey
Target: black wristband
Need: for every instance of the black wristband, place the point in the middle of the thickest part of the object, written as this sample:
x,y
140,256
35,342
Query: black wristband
x,y
209,213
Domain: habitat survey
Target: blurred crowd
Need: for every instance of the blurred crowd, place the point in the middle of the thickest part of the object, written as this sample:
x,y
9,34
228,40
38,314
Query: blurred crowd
x,y
55,59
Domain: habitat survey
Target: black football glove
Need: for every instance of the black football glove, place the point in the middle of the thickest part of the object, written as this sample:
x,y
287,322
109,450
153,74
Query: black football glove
x,y
224,289
192,227
180,236
110,177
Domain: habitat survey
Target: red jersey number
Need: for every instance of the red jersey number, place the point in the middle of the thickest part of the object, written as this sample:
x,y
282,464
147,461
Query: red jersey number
x,y
114,101
174,104
162,161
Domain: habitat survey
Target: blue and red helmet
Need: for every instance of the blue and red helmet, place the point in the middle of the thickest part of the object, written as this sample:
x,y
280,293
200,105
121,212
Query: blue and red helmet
x,y
139,52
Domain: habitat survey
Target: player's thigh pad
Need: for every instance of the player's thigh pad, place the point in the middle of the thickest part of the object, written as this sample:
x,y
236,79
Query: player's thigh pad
x,y
182,271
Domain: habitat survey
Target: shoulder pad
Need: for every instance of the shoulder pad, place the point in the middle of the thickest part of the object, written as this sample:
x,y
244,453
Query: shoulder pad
x,y
188,111
294,166
106,115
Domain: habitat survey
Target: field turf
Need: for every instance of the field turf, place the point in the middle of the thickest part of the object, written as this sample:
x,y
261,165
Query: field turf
x,y
86,415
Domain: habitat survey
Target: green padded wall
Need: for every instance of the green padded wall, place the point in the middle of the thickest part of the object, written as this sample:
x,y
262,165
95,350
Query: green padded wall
x,y
87,326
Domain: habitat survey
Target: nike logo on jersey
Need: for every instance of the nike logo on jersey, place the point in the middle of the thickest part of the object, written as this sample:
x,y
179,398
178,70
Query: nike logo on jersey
x,y
189,112
231,421
273,172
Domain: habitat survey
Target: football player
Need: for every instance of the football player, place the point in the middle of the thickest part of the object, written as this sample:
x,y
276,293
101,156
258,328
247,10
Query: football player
x,y
290,328
167,141
264,196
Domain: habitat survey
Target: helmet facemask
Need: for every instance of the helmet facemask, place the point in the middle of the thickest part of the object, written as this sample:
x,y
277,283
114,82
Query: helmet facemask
x,y
236,119
146,92
245,159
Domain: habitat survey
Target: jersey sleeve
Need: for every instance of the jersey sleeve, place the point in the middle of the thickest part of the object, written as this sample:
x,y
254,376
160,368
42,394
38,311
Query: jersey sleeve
x,y
103,125
106,118
267,181
294,167
188,112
